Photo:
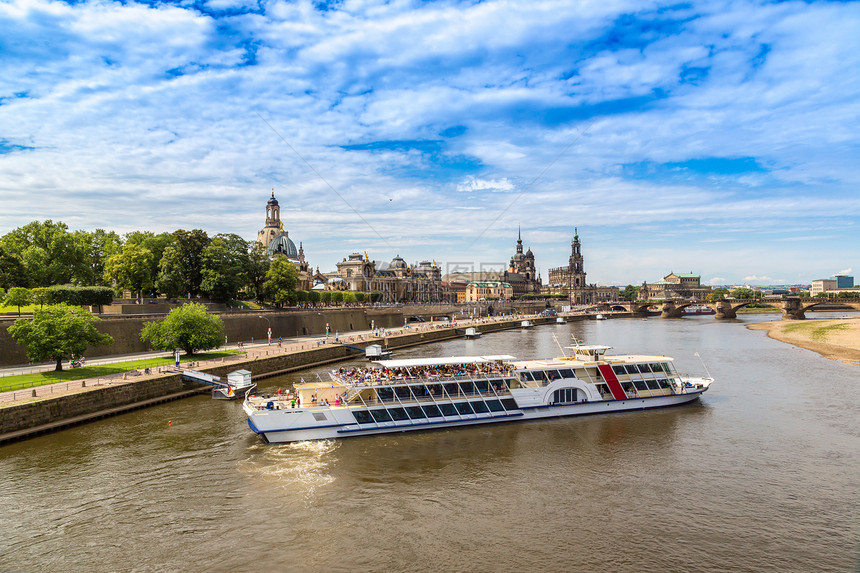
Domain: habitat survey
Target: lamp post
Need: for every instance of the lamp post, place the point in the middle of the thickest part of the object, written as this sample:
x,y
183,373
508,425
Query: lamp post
x,y
270,329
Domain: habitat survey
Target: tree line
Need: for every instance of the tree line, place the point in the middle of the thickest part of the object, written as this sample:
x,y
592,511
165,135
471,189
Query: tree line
x,y
45,254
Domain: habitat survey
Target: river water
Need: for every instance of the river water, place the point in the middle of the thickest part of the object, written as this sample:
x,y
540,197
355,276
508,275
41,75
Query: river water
x,y
762,473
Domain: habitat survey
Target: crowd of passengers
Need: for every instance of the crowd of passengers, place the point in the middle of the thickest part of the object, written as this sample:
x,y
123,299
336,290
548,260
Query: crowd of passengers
x,y
442,371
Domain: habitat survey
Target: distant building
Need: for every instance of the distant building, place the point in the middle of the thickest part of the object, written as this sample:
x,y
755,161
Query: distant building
x,y
522,274
397,281
843,281
677,286
822,285
278,243
488,290
570,280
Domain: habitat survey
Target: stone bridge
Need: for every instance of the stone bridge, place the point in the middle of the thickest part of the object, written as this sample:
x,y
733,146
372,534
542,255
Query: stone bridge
x,y
793,308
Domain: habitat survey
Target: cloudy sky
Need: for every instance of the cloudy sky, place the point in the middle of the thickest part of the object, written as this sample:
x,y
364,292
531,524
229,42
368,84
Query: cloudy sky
x,y
719,137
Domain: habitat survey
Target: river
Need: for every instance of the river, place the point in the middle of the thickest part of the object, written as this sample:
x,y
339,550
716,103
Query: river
x,y
762,473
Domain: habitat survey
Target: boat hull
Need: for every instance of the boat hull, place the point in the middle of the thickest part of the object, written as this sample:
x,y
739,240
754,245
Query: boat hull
x,y
270,423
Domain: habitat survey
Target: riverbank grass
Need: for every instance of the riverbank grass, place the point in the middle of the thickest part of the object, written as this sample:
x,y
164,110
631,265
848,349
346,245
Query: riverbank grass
x,y
21,381
814,331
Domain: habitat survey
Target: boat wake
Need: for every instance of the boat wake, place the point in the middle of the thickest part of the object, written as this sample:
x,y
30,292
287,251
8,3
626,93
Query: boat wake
x,y
296,466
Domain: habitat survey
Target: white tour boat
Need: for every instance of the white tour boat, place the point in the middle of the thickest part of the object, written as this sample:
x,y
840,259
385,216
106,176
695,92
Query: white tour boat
x,y
526,324
433,393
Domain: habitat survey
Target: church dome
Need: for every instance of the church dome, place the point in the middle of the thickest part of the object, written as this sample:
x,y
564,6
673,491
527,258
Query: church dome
x,y
273,202
283,245
397,263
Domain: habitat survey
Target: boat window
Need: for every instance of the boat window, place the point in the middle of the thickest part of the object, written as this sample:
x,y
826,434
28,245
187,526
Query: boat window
x,y
403,392
385,394
619,370
464,408
508,403
568,373
627,386
496,406
447,409
467,388
631,369
656,368
552,375
380,415
415,412
526,377
483,385
319,417
480,407
564,396
451,389
663,383
666,369
434,390
604,391
432,411
362,416
640,384
397,414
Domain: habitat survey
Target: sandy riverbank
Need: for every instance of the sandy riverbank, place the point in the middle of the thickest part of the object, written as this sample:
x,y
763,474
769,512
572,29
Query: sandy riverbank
x,y
838,338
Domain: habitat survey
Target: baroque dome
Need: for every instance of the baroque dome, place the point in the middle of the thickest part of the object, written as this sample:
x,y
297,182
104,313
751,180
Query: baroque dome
x,y
397,263
283,245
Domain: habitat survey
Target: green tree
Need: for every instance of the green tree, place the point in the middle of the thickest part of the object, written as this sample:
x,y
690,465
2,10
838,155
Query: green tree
x,y
302,296
12,271
255,273
360,296
130,269
313,296
18,296
188,327
348,297
718,294
325,296
40,296
93,250
281,280
46,249
225,263
58,332
181,268
743,293
155,243
630,293
376,296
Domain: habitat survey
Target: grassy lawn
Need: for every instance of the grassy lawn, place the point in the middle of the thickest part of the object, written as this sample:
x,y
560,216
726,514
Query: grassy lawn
x,y
28,309
67,375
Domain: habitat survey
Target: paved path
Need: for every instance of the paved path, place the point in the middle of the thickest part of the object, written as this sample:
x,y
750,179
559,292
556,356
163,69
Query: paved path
x,y
252,351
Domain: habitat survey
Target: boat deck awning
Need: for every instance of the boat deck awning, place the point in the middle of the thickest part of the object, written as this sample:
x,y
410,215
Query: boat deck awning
x,y
441,361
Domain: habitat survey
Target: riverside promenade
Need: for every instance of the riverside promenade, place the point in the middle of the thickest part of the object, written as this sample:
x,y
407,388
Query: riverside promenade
x,y
32,411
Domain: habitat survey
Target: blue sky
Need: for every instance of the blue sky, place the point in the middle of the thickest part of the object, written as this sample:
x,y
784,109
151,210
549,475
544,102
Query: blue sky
x,y
717,137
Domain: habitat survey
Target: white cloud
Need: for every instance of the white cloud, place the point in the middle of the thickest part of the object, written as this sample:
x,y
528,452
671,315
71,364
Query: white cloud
x,y
472,183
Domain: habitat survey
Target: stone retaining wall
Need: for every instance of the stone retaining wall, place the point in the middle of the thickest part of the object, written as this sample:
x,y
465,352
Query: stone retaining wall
x,y
92,402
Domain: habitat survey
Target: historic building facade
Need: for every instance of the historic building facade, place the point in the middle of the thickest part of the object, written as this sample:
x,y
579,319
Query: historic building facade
x,y
277,242
397,281
679,286
522,274
571,280
488,290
